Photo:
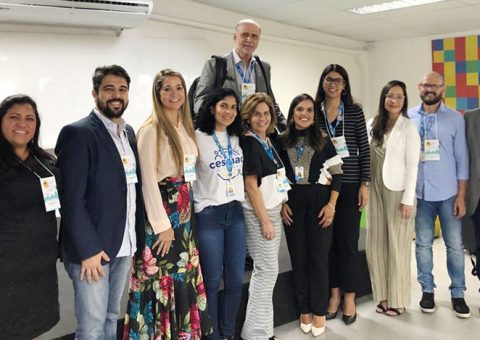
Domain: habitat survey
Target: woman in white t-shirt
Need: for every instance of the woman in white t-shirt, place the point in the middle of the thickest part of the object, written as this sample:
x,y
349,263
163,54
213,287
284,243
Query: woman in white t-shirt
x,y
218,193
266,186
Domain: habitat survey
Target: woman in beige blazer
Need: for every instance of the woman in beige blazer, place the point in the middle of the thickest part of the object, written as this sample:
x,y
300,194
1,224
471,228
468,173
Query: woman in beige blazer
x,y
395,153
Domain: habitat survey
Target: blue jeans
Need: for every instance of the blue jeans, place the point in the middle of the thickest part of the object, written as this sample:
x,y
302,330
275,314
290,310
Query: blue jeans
x,y
221,241
97,305
452,236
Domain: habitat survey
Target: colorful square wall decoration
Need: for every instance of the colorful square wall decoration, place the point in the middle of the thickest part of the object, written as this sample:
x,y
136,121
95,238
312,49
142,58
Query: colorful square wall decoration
x,y
458,60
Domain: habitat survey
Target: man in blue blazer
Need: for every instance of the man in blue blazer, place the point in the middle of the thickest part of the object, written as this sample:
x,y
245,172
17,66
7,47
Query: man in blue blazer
x,y
102,210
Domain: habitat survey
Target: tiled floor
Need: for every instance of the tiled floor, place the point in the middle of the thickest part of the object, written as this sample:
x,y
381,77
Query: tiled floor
x,y
412,325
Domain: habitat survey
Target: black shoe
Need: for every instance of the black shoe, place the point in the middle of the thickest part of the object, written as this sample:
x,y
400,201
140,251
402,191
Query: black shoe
x,y
331,316
460,308
349,319
427,304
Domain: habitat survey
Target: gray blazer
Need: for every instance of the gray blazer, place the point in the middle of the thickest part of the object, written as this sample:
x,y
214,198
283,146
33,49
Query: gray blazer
x,y
207,79
472,122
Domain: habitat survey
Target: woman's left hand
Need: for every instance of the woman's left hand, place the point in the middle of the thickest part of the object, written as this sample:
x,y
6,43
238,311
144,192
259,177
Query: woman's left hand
x,y
362,197
406,211
326,216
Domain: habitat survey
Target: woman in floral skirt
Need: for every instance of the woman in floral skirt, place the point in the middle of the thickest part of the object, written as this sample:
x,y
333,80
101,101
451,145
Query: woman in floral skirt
x,y
167,294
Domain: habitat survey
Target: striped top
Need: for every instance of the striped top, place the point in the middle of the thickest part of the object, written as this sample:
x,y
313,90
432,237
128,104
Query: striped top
x,y
356,167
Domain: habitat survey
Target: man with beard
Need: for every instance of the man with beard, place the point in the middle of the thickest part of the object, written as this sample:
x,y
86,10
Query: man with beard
x,y
441,190
102,209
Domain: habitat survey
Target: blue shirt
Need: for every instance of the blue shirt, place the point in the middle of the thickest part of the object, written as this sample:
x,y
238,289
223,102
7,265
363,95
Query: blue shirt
x,y
438,180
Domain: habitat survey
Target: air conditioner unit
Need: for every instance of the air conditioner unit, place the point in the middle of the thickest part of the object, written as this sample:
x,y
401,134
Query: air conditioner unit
x,y
117,14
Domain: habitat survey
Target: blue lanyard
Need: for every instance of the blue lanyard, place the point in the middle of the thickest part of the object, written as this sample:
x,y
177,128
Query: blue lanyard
x,y
229,159
426,123
268,150
243,75
299,150
330,127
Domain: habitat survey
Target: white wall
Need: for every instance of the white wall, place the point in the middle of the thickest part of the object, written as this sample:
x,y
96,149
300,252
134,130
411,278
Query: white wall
x,y
403,59
55,65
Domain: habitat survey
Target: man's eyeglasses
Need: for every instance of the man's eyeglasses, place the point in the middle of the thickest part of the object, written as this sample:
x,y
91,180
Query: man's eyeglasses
x,y
336,81
395,97
434,87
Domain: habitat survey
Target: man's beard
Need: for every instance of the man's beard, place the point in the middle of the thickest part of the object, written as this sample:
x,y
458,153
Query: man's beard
x,y
436,99
109,113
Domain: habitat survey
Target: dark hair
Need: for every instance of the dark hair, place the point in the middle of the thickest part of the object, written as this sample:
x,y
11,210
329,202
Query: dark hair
x,y
206,116
250,105
314,136
7,152
346,94
379,126
103,71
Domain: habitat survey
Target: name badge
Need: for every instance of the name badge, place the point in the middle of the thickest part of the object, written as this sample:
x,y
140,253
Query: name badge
x,y
130,167
431,150
282,181
230,189
247,89
189,168
340,145
299,173
50,193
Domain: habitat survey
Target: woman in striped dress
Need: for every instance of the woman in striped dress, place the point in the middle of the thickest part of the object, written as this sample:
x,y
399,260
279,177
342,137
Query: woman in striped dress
x,y
344,122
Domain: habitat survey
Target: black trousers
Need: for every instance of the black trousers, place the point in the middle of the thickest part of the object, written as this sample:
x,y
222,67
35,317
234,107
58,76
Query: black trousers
x,y
476,225
309,245
344,256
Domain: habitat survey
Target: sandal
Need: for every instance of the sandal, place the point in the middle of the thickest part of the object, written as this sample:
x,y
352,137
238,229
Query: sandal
x,y
394,311
381,309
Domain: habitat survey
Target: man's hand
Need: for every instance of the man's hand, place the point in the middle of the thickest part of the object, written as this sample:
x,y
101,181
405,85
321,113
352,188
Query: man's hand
x,y
287,214
459,208
92,267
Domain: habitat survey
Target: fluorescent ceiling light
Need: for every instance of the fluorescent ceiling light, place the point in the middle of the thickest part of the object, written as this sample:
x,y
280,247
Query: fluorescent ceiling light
x,y
388,6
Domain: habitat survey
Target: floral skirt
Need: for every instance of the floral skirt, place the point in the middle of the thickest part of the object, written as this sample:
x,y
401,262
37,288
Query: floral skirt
x,y
167,298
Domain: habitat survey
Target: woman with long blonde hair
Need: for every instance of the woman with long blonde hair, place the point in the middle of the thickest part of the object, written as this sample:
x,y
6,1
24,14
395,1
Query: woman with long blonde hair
x,y
167,294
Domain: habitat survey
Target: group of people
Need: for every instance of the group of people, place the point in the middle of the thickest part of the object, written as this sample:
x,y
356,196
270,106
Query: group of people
x,y
175,209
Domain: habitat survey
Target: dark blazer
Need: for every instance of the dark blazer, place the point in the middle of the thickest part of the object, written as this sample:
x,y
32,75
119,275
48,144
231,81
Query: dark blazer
x,y
472,123
94,191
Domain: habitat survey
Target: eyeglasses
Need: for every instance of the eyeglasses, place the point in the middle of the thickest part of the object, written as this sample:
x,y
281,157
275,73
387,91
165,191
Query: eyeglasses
x,y
397,98
434,87
337,81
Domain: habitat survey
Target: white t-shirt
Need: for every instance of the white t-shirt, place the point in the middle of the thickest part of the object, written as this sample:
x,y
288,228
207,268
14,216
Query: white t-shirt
x,y
213,179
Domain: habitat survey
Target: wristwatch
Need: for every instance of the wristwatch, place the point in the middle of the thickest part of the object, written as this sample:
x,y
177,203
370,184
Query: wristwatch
x,y
366,184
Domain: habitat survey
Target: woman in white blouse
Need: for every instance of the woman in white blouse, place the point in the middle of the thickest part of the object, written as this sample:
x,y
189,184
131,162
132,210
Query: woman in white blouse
x,y
167,294
395,153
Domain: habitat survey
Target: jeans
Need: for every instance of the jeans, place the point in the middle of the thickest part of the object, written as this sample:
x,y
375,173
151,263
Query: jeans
x,y
452,236
97,305
221,241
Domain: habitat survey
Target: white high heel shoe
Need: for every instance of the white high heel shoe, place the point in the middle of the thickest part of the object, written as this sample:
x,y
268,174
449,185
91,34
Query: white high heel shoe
x,y
305,327
316,331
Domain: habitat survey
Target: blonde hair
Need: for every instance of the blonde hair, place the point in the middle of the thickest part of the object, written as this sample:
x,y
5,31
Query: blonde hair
x,y
159,119
250,105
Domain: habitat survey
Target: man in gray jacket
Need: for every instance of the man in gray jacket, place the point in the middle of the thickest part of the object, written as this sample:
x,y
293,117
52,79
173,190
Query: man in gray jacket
x,y
245,73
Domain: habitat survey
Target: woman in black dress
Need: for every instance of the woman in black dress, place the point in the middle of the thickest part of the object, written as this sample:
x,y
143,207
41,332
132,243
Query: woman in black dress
x,y
28,232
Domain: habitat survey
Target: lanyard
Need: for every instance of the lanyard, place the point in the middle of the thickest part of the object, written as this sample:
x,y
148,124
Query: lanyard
x,y
425,126
300,150
29,168
268,149
243,75
229,159
340,118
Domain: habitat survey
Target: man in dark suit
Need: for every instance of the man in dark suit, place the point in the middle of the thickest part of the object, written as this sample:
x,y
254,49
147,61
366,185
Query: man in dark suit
x,y
472,123
244,72
102,209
